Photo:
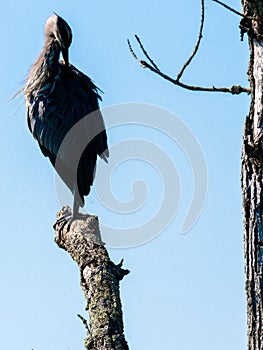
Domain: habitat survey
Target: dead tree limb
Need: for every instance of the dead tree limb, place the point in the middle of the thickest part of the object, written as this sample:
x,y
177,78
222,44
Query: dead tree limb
x,y
99,279
230,8
152,66
200,35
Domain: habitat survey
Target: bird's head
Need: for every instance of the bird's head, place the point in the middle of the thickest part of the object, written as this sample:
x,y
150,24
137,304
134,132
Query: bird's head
x,y
56,27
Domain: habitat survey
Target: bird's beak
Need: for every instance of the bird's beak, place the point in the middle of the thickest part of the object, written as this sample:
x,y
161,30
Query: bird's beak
x,y
65,55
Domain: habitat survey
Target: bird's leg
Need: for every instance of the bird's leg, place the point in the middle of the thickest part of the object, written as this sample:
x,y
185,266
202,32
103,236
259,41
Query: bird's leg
x,y
68,218
76,205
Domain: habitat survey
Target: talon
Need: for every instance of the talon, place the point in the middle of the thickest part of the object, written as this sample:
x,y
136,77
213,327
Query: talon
x,y
61,223
67,220
62,220
58,222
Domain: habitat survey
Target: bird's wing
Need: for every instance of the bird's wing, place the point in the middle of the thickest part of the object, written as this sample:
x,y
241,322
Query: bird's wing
x,y
53,112
46,123
65,120
95,124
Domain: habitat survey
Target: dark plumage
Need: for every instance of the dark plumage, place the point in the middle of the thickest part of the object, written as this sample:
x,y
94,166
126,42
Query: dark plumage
x,y
58,96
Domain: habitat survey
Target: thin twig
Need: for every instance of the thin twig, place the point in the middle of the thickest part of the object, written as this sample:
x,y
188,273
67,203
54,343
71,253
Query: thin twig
x,y
197,43
131,50
84,321
234,90
145,52
230,9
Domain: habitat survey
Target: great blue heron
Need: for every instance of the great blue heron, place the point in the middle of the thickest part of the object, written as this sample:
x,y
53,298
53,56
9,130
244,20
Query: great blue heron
x,y
58,96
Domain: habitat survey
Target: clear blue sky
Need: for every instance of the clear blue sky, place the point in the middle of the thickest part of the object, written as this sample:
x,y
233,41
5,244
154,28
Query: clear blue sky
x,y
184,291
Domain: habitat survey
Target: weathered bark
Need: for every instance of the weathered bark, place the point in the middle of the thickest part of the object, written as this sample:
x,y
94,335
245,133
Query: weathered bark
x,y
252,176
99,279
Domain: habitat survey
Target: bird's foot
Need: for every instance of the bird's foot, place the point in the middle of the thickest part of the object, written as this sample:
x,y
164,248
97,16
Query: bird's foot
x,y
66,219
63,221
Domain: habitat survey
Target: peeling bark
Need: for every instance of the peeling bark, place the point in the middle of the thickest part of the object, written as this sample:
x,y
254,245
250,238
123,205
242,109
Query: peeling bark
x,y
252,177
99,279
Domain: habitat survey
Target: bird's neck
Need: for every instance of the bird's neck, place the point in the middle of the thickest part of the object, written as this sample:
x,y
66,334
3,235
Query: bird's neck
x,y
45,69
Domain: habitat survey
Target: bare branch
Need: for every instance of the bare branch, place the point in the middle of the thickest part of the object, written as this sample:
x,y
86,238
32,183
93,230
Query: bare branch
x,y
145,52
234,90
197,43
230,9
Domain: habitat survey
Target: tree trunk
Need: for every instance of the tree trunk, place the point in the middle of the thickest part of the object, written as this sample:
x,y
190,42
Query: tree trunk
x,y
252,175
99,279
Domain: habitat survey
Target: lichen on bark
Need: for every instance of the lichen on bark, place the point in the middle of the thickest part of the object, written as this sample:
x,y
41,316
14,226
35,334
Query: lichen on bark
x,y
99,279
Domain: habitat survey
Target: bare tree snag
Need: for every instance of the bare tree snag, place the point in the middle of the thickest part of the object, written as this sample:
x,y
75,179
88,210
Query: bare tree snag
x,y
252,176
99,279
